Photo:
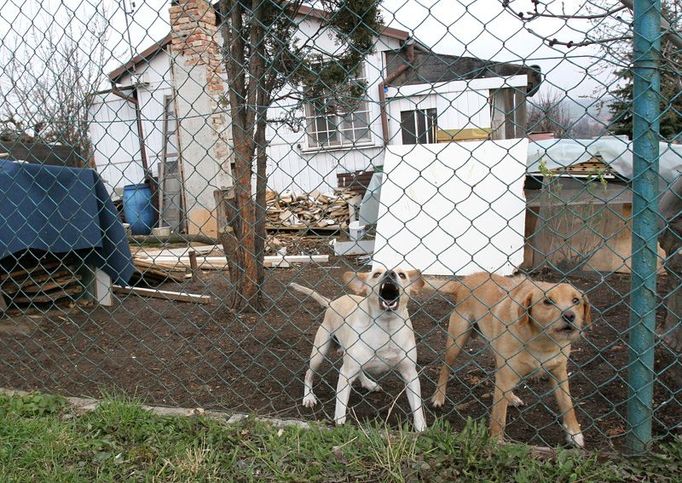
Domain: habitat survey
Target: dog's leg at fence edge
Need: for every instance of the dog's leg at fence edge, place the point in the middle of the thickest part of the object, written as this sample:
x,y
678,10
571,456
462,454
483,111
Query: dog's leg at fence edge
x,y
348,373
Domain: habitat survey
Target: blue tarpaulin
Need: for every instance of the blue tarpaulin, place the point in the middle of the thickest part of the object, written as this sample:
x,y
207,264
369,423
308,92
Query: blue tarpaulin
x,y
61,210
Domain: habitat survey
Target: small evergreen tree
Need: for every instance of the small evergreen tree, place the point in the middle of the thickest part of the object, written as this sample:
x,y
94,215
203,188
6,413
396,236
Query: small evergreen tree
x,y
621,108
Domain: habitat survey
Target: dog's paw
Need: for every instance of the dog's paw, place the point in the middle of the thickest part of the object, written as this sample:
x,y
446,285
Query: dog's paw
x,y
438,400
515,400
575,439
309,400
371,386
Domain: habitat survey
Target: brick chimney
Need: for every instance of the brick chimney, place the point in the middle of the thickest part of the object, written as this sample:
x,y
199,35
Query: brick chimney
x,y
199,84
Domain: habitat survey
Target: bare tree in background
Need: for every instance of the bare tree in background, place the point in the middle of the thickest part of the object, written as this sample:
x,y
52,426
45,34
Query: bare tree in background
x,y
607,26
547,112
47,84
587,127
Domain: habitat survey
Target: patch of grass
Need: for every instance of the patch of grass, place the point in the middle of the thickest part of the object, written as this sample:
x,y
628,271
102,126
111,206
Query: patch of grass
x,y
40,440
663,464
34,404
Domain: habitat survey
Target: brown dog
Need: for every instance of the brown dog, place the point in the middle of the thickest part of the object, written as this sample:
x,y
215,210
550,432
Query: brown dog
x,y
530,327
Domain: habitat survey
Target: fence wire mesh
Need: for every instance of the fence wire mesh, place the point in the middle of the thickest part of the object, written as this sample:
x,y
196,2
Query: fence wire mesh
x,y
169,169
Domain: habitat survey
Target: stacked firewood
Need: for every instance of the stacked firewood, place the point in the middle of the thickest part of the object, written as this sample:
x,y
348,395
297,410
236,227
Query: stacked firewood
x,y
154,273
41,283
309,210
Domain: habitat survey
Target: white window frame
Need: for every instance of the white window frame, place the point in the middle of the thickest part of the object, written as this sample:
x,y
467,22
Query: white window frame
x,y
430,132
345,132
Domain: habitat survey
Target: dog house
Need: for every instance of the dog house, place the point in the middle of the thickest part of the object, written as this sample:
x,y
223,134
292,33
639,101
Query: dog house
x,y
579,218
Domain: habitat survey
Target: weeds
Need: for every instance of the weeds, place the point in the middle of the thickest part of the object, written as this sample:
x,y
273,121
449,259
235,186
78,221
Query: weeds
x,y
120,441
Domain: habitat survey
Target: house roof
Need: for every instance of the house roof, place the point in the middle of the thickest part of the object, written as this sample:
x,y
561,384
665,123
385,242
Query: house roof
x,y
145,55
430,67
304,11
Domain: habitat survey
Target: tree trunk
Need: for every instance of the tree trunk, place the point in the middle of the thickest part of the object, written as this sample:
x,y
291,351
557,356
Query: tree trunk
x,y
246,288
261,187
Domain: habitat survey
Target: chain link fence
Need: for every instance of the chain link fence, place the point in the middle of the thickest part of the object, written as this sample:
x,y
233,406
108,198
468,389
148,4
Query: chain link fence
x,y
168,169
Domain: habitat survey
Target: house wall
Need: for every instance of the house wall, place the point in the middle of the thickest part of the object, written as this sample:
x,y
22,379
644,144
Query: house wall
x,y
113,131
458,104
151,99
113,126
292,165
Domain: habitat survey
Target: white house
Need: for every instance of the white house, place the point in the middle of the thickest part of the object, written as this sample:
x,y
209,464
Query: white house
x,y
163,114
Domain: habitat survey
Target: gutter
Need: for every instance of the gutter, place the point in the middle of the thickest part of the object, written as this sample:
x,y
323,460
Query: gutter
x,y
387,81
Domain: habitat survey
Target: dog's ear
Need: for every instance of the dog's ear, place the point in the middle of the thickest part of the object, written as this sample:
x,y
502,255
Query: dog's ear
x,y
416,280
357,282
587,311
525,307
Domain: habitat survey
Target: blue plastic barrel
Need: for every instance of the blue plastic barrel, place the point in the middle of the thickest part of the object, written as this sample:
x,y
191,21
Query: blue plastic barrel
x,y
138,209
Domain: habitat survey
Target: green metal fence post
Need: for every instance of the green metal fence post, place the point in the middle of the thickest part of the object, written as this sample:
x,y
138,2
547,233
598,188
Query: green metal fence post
x,y
647,22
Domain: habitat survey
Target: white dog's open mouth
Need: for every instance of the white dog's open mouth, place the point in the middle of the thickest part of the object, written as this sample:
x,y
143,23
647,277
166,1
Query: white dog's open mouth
x,y
389,295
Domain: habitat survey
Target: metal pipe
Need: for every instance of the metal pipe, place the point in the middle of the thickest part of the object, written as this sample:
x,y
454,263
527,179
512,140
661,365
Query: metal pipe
x,y
388,80
645,134
140,137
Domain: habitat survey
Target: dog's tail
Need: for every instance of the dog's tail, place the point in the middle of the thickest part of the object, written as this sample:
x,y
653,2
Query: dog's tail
x,y
323,301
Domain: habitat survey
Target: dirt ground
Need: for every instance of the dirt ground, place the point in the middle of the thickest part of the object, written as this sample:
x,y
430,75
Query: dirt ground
x,y
181,354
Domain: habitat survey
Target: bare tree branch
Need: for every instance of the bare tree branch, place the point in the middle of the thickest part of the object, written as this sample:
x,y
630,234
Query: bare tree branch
x,y
49,96
610,13
529,16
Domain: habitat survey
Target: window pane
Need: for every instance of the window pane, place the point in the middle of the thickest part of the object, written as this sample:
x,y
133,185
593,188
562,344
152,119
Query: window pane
x,y
407,127
335,127
431,123
362,134
418,126
312,140
361,119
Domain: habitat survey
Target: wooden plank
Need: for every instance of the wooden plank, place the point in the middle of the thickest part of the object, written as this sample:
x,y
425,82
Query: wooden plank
x,y
298,258
51,297
143,264
164,294
162,274
14,284
145,252
616,195
465,134
220,263
304,228
37,269
146,267
52,284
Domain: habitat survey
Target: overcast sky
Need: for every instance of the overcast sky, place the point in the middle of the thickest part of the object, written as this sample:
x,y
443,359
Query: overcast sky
x,y
480,28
